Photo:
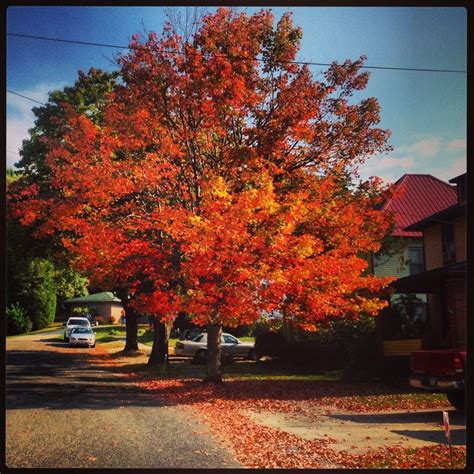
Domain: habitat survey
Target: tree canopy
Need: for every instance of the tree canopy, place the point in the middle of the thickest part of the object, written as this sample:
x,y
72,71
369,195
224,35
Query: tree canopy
x,y
221,179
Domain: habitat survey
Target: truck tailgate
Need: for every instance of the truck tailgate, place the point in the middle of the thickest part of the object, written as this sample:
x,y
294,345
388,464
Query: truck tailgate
x,y
435,362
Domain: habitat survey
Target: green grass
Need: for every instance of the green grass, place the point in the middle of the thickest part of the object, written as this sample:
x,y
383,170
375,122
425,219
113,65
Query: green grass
x,y
50,328
147,338
114,332
273,370
247,339
239,369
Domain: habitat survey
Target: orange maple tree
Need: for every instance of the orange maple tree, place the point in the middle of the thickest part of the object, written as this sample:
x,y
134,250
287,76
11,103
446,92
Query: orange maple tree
x,y
222,180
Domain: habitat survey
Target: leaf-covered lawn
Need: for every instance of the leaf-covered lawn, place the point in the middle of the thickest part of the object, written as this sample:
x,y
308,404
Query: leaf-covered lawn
x,y
225,409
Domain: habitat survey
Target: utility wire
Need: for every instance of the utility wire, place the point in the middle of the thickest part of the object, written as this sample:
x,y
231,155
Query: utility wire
x,y
309,63
411,215
25,97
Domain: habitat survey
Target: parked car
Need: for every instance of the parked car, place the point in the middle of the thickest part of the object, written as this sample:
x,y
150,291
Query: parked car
x,y
82,336
189,334
92,320
75,322
441,370
231,348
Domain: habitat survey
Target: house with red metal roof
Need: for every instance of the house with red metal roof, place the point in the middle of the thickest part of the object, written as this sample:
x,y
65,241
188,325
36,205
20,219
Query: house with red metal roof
x,y
416,197
444,278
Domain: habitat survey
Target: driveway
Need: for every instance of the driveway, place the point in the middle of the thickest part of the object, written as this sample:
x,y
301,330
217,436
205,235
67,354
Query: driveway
x,y
63,411
358,433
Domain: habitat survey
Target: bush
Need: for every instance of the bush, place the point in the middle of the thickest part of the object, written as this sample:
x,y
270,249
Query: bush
x,y
354,340
17,321
270,343
347,344
239,331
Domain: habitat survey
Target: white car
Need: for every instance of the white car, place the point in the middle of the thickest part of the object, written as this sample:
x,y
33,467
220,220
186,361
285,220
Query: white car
x,y
82,337
231,348
75,322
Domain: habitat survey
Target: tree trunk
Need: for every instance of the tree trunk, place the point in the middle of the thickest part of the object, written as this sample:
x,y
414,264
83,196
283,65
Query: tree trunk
x,y
159,350
131,343
214,373
131,324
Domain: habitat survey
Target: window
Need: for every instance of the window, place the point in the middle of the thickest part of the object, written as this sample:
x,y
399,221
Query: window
x,y
447,239
230,340
78,322
415,255
81,331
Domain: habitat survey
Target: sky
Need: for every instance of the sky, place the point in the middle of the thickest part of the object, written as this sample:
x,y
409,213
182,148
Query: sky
x,y
425,111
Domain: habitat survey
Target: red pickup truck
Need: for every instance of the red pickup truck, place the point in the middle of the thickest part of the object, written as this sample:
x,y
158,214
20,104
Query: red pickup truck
x,y
440,370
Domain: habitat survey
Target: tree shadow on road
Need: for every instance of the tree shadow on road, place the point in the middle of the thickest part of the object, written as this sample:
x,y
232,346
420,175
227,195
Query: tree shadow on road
x,y
82,379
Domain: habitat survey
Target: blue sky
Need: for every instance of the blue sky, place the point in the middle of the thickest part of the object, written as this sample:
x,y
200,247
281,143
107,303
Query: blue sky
x,y
425,111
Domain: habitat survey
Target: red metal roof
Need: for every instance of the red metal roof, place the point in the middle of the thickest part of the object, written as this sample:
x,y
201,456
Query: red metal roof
x,y
416,197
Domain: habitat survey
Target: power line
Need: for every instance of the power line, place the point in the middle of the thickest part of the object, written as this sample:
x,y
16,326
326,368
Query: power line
x,y
25,97
69,41
309,63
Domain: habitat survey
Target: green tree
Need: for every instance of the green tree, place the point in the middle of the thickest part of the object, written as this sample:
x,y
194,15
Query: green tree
x,y
87,96
17,320
69,284
37,294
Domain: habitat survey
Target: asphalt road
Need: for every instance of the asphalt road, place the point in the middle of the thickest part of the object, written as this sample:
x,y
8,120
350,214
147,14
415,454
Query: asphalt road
x,y
64,412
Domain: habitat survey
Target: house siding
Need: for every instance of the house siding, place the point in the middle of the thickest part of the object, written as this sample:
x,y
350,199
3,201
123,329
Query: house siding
x,y
108,311
433,247
436,336
460,238
456,296
392,266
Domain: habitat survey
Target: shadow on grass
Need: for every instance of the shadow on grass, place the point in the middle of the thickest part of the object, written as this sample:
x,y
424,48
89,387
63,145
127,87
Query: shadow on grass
x,y
77,378
428,416
458,436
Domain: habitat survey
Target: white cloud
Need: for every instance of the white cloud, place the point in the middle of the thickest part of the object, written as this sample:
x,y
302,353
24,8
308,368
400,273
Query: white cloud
x,y
389,168
427,156
17,131
456,145
426,147
20,117
456,168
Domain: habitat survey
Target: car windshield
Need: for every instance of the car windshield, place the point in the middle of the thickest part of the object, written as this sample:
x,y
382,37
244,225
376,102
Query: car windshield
x,y
230,339
200,338
78,322
81,331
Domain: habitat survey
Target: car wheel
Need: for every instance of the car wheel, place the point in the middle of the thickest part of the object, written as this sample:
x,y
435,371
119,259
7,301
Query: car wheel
x,y
457,399
253,355
66,339
201,356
